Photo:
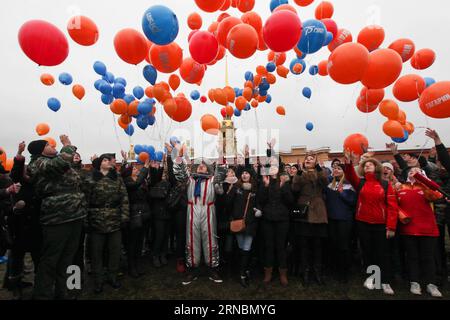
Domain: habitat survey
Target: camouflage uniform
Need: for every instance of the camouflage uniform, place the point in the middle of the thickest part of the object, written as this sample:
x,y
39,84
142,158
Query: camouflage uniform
x,y
108,211
63,209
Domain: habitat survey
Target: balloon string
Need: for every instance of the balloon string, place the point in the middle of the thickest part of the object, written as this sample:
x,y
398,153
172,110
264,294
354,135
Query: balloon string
x,y
226,70
115,131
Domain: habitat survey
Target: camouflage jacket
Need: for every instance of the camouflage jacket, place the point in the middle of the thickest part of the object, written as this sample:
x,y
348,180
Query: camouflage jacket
x,y
108,206
58,186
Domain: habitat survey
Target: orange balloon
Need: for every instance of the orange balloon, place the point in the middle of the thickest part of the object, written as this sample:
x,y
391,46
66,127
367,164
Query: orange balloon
x,y
409,127
131,46
191,71
210,124
8,164
261,44
47,79
248,84
144,156
348,63
213,28
404,47
210,6
245,5
2,155
220,97
174,81
364,107
253,19
166,59
298,68
194,21
51,141
149,92
389,109
242,41
402,117
149,46
170,107
261,98
271,79
254,104
119,106
165,85
281,111
125,119
435,100
303,3
224,29
385,66
133,108
221,53
247,93
342,37
211,94
298,52
371,37
231,95
234,3
226,5
222,16
282,71
323,68
423,59
241,103
356,143
257,80
78,91
42,129
285,7
393,129
159,91
409,88
371,98
324,10
229,111
83,30
121,124
261,70
277,58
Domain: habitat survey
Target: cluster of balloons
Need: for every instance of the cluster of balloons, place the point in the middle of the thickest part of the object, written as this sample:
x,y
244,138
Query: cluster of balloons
x,y
65,79
396,125
145,152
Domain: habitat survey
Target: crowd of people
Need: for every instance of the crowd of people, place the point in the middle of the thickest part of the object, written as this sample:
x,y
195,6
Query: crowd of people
x,y
294,220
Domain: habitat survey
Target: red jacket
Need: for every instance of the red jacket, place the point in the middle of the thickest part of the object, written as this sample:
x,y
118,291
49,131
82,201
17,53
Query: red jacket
x,y
371,207
414,200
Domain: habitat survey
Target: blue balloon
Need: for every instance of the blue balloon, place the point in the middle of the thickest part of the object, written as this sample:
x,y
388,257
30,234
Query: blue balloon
x,y
151,101
122,81
313,37
307,92
309,126
129,130
150,150
129,98
263,93
160,25
65,78
109,77
138,92
159,156
276,3
402,140
313,70
105,88
429,81
296,61
150,74
138,149
54,104
248,76
328,39
100,68
98,83
264,85
142,122
271,67
195,95
237,112
241,92
247,107
269,98
145,108
151,120
236,92
118,91
107,99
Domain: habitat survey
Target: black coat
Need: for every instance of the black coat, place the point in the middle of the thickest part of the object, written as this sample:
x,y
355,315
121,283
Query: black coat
x,y
138,194
236,200
159,206
276,201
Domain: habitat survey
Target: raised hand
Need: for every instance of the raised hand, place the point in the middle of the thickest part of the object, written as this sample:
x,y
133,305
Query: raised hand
x,y
266,181
21,148
65,140
147,163
124,155
393,147
430,133
94,157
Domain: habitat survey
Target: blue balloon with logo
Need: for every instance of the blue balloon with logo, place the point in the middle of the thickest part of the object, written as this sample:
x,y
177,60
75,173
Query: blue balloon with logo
x,y
122,81
138,92
429,81
150,74
297,61
313,70
54,104
118,91
65,78
107,99
313,37
307,92
276,3
100,68
129,130
160,25
328,39
402,140
195,95
309,126
248,76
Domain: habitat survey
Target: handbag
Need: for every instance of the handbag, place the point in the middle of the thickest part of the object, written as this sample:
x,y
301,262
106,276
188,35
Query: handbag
x,y
300,211
237,226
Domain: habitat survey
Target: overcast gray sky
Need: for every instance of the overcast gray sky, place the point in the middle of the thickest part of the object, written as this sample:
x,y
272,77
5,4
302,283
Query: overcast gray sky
x,y
89,123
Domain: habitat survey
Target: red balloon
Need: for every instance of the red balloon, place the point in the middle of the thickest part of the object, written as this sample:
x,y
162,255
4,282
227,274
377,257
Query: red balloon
x,y
331,26
246,5
210,5
343,36
324,10
385,66
423,59
43,43
203,47
210,124
371,98
348,63
371,37
435,100
131,46
364,107
203,99
222,16
253,19
149,46
242,41
167,58
323,68
83,30
224,28
223,112
409,88
194,21
226,5
356,143
404,47
282,31
303,3
191,71
183,111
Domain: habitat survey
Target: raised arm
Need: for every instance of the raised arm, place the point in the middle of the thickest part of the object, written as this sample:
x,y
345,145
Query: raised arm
x,y
442,154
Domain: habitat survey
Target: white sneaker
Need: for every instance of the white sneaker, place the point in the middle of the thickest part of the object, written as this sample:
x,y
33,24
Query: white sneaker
x,y
369,283
434,291
415,289
387,289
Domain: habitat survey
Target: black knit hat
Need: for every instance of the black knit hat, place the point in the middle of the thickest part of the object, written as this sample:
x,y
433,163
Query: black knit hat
x,y
98,161
36,147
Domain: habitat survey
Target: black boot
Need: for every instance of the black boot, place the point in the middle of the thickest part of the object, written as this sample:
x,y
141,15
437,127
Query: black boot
x,y
318,275
244,266
306,277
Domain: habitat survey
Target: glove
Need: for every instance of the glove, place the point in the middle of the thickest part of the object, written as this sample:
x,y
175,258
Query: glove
x,y
258,213
218,188
13,189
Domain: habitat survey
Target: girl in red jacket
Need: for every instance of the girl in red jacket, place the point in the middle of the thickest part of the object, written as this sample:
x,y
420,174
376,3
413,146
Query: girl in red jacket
x,y
421,233
376,217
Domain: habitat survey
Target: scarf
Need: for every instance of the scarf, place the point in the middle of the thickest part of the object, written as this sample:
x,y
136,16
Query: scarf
x,y
198,185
